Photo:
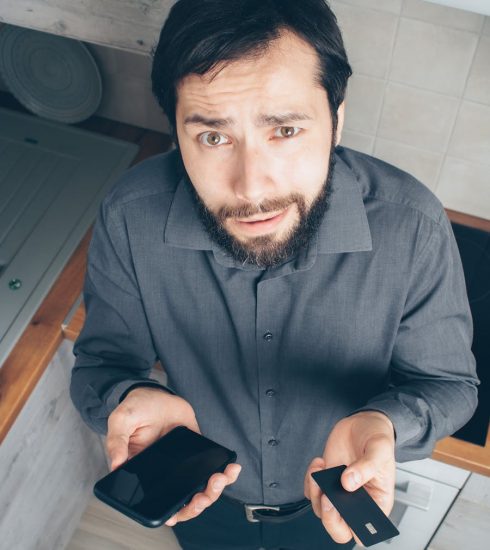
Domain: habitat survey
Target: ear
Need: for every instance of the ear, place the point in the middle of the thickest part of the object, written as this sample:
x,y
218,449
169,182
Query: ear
x,y
340,122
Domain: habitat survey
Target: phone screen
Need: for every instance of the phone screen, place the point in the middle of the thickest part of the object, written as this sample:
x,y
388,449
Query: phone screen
x,y
157,482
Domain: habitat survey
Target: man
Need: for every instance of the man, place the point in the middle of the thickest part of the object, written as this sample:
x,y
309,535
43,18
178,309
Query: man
x,y
306,301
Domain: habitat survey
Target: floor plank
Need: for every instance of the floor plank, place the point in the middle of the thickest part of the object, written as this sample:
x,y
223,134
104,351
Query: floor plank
x,y
103,528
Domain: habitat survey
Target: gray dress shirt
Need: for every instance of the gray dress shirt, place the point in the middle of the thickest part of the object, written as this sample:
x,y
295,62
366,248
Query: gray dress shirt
x,y
372,315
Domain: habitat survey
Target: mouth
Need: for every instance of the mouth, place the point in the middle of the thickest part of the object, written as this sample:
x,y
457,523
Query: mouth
x,y
262,223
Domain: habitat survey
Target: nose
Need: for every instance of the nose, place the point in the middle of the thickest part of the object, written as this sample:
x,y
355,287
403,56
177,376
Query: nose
x,y
253,180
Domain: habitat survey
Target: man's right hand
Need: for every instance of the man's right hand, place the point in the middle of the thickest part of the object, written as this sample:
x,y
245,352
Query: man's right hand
x,y
147,414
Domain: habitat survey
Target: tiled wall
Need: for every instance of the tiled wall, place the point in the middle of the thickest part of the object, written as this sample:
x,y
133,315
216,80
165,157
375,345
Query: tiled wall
x,y
420,94
419,97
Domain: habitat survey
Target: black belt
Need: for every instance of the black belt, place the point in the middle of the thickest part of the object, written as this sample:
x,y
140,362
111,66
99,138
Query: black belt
x,y
272,513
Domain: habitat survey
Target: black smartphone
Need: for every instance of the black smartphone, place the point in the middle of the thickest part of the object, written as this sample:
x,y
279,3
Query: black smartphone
x,y
157,482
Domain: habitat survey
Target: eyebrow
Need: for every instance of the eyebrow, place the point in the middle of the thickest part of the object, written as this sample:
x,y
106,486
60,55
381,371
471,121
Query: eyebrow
x,y
262,120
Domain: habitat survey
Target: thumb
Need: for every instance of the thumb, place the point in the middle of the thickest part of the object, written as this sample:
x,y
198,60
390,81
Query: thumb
x,y
194,426
377,454
117,449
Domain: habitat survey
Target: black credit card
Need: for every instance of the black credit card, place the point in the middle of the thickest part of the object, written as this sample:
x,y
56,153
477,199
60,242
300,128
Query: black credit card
x,y
357,508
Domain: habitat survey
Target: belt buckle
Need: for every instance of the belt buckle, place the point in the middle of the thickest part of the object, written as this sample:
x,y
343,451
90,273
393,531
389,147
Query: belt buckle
x,y
250,508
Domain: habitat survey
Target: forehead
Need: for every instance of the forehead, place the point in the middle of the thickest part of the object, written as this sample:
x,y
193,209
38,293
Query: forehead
x,y
286,72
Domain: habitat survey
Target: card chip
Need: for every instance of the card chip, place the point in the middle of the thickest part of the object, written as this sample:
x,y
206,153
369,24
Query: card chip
x,y
371,529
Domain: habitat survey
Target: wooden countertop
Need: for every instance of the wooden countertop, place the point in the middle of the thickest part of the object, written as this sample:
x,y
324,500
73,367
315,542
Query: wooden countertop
x,y
34,350
132,25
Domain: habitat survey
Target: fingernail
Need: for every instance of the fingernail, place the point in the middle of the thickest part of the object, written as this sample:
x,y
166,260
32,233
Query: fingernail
x,y
354,479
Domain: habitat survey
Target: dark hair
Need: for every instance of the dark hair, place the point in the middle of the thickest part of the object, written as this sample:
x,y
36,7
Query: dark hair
x,y
200,34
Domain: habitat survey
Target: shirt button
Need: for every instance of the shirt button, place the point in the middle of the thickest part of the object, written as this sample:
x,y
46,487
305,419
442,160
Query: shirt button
x,y
273,485
270,393
273,442
268,336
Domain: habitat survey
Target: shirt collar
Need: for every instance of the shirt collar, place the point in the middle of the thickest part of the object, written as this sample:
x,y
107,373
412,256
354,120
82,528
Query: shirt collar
x,y
344,228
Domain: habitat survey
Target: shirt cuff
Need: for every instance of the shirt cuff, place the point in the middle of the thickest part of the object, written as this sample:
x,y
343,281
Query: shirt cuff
x,y
406,424
121,389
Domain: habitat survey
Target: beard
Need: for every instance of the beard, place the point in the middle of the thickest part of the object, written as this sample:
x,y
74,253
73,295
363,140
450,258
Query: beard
x,y
266,251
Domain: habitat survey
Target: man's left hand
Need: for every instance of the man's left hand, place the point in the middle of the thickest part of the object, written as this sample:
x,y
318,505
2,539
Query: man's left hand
x,y
365,442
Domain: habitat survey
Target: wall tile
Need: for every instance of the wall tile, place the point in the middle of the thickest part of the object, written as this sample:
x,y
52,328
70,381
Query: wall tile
x,y
363,104
442,15
478,87
391,6
420,163
359,142
368,36
463,186
418,118
471,136
432,57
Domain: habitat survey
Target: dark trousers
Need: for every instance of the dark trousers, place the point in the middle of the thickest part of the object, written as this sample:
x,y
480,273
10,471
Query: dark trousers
x,y
223,526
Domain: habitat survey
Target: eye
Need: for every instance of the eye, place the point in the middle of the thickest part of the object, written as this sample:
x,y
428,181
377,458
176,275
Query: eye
x,y
212,139
287,131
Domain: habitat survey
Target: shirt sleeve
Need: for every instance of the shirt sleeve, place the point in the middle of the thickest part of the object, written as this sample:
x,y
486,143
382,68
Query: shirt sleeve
x,y
433,381
114,351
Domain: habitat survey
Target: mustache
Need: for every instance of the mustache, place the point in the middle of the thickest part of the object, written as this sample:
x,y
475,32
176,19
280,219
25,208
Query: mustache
x,y
266,206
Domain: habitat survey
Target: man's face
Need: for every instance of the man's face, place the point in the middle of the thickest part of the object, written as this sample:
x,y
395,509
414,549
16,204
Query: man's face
x,y
256,142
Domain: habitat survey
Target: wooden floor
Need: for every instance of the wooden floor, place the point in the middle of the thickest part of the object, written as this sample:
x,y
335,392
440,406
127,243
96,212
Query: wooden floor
x,y
103,528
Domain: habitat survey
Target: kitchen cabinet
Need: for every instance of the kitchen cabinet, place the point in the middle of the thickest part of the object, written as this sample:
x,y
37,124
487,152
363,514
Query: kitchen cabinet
x,y
48,464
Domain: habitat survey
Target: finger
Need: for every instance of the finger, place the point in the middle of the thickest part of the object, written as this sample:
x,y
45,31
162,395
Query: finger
x,y
333,523
120,426
378,462
198,504
312,490
217,482
202,500
215,486
232,472
193,425
117,445
117,449
378,458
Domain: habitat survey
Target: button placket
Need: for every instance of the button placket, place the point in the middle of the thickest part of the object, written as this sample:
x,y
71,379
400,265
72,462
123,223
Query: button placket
x,y
266,338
